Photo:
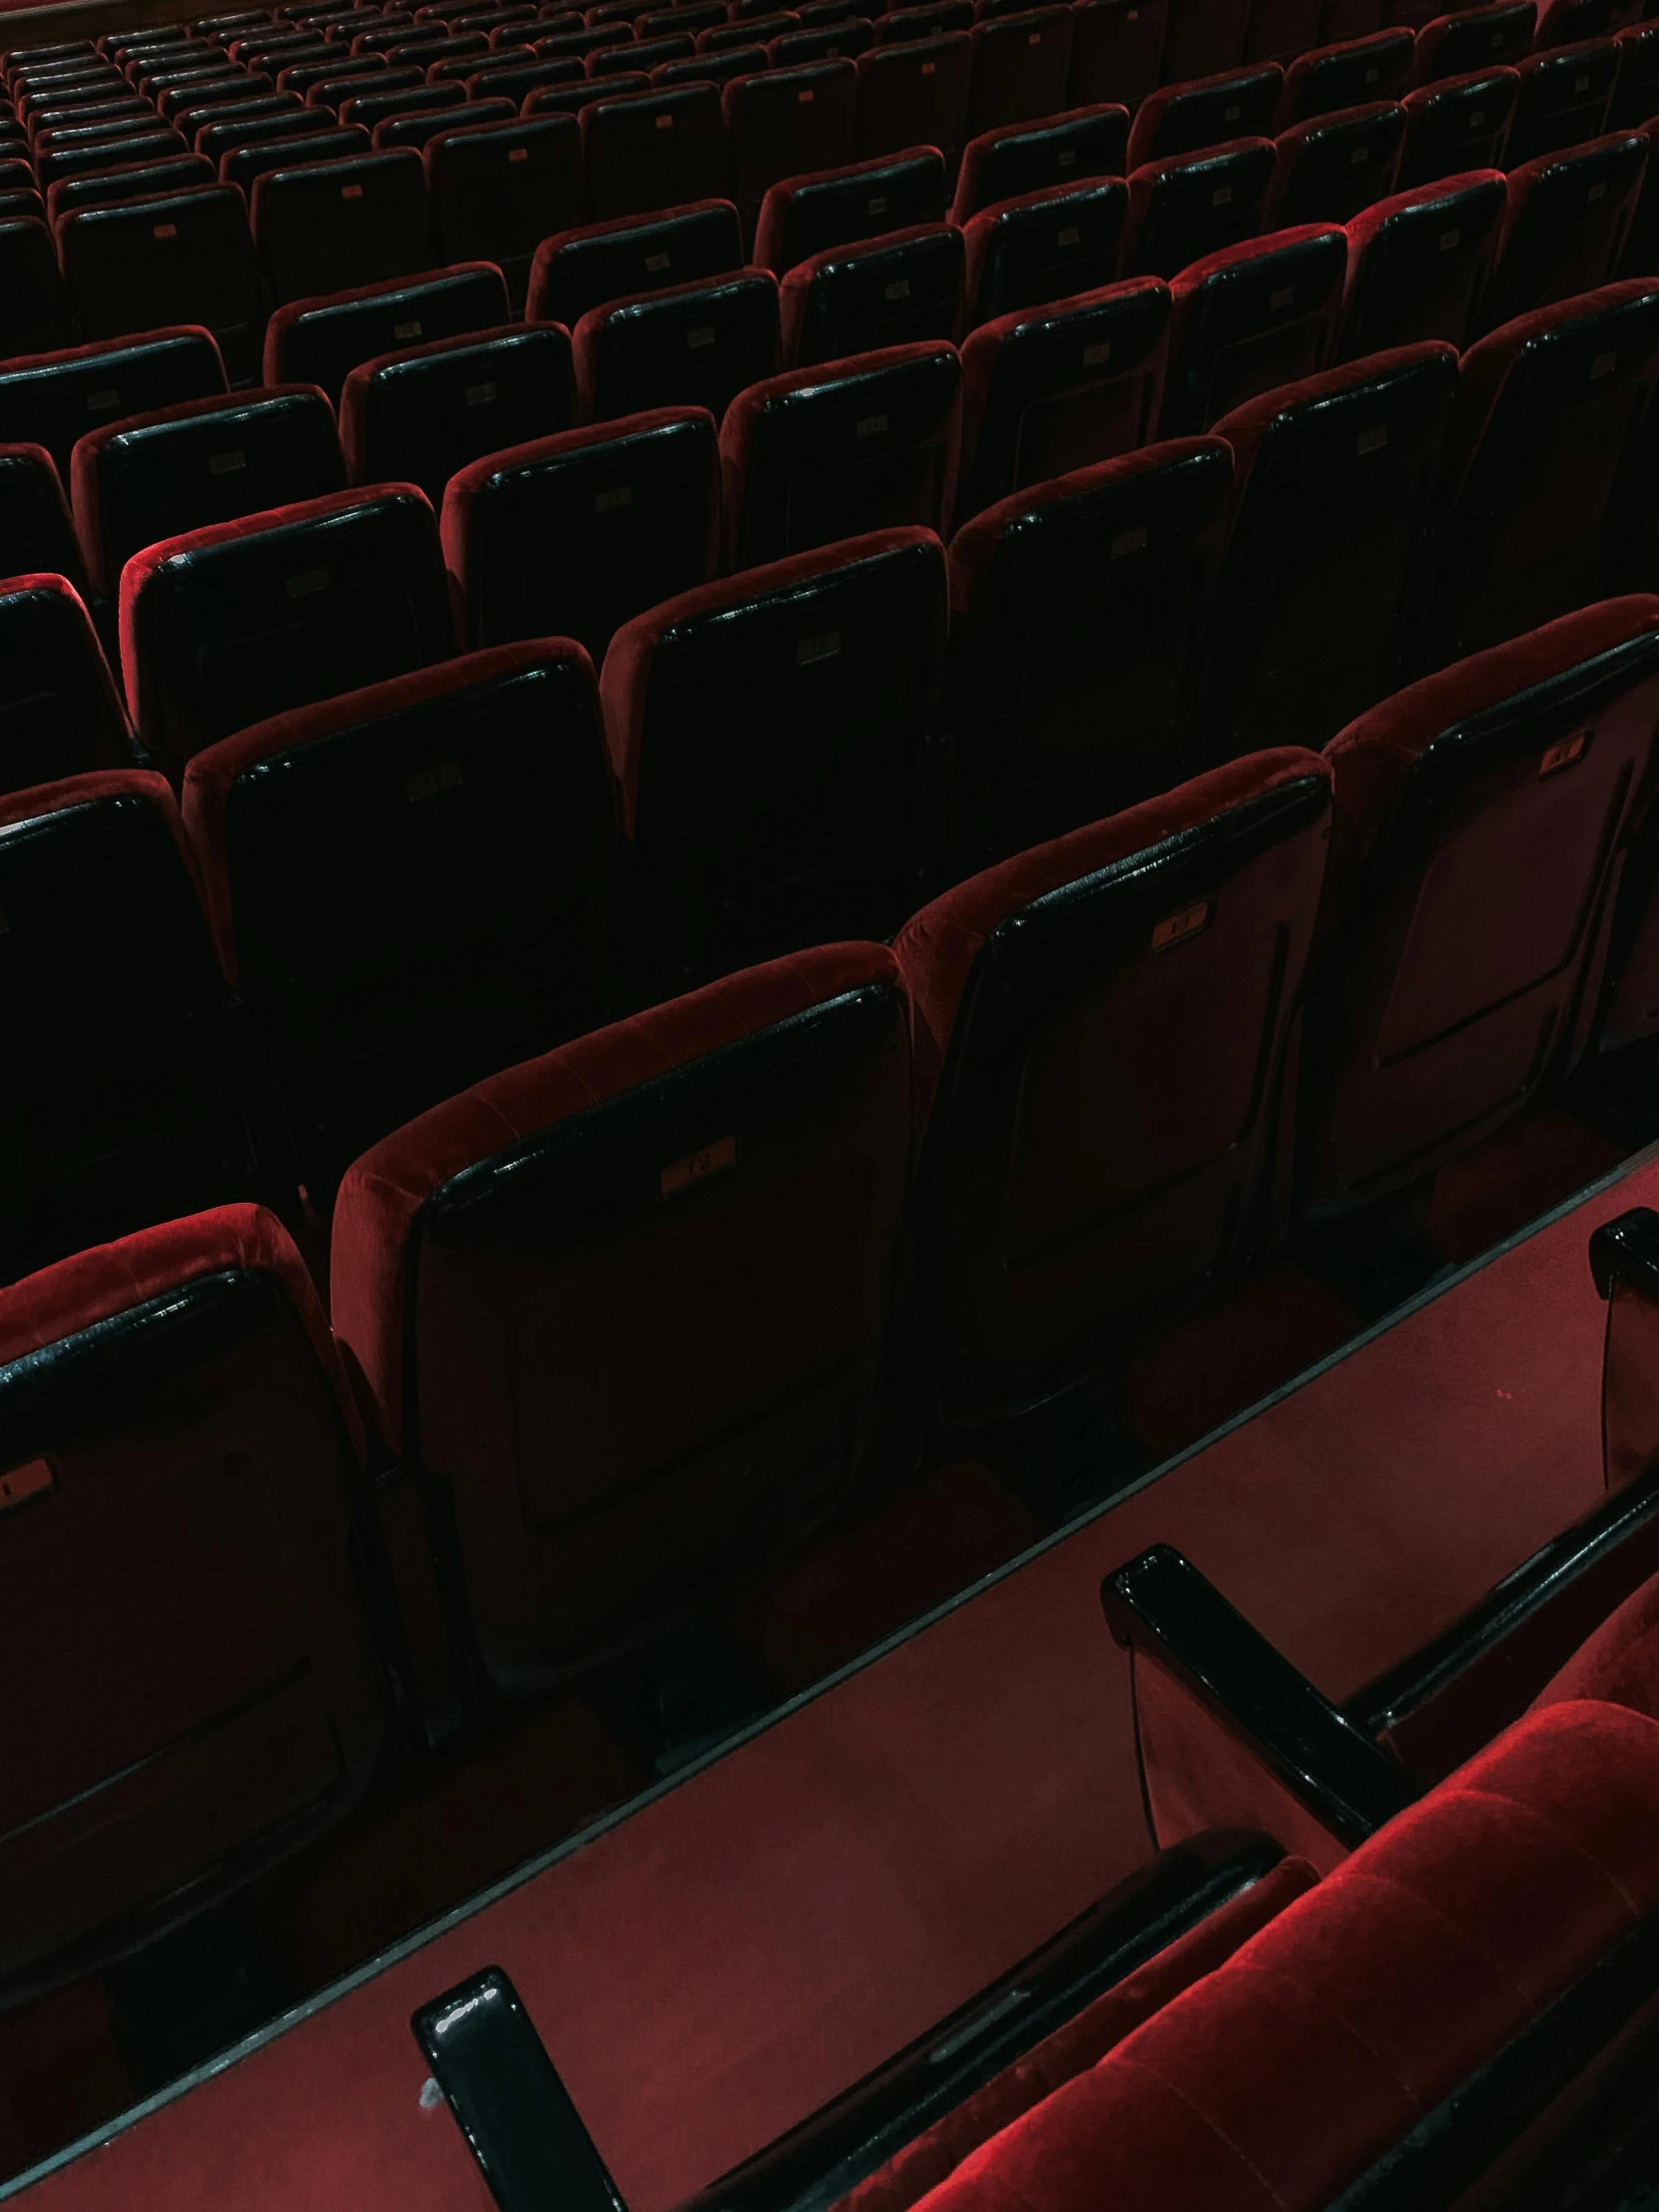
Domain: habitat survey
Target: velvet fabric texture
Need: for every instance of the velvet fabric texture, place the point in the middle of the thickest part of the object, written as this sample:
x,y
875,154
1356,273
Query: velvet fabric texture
x,y
1619,1664
1080,2045
1201,111
1282,2077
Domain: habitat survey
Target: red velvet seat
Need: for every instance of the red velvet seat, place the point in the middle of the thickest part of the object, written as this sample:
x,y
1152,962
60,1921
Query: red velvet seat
x,y
788,123
182,257
1043,246
573,535
652,150
194,1695
1350,74
232,624
37,536
61,159
1195,204
321,341
812,213
421,415
498,189
1471,39
1636,92
772,735
155,476
1333,168
283,116
1209,111
1458,125
1053,389
713,1187
149,180
1079,611
820,454
1419,263
454,832
1564,100
1204,37
1019,158
1018,67
1116,49
1281,29
1565,222
579,270
1483,815
60,712
897,289
34,316
1334,483
413,125
915,94
1539,461
1250,317
323,226
1101,1034
128,1112
688,345
53,398
1363,2032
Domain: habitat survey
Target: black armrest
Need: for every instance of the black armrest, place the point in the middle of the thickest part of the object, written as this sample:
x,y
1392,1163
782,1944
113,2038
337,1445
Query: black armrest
x,y
508,2101
1160,1604
1626,1250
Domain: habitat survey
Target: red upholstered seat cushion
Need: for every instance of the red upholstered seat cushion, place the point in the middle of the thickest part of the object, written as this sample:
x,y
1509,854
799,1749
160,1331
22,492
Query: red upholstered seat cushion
x,y
1279,2078
1079,2045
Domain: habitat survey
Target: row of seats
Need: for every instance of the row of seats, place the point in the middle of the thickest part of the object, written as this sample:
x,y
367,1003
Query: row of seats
x,y
497,189
1125,1054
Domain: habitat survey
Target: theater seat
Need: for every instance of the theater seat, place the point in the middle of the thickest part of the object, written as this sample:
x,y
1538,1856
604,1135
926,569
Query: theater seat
x,y
1206,111
1116,48
1419,263
321,341
811,214
51,399
1458,125
915,94
688,345
820,454
498,189
243,166
573,535
126,1112
1101,1030
1079,612
893,291
1333,168
231,625
1249,318
37,536
155,476
137,264
420,415
575,270
788,123
1204,37
1540,456
1049,389
194,1694
1470,39
1018,67
410,886
1195,204
1484,813
710,1191
1043,246
1347,74
771,735
1018,157
60,712
1565,222
148,180
1334,503
652,150
325,226
1564,100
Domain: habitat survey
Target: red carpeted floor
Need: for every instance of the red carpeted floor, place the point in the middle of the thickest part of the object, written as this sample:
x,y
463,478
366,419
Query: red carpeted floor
x,y
736,1949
